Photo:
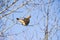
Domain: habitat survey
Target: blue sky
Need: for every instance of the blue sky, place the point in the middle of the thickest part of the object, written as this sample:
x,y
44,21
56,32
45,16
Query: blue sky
x,y
38,15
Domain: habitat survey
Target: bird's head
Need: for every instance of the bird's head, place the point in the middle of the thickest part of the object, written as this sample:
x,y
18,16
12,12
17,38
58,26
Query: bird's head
x,y
17,18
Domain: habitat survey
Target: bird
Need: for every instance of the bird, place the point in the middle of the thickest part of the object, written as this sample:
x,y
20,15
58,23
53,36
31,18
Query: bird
x,y
24,21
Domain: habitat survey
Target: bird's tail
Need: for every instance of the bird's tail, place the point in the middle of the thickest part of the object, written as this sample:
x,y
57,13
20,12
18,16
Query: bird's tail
x,y
28,17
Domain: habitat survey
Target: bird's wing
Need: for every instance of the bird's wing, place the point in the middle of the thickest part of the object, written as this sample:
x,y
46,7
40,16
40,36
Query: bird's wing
x,y
22,21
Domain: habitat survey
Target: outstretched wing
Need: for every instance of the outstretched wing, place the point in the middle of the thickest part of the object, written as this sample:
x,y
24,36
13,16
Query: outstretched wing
x,y
22,21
